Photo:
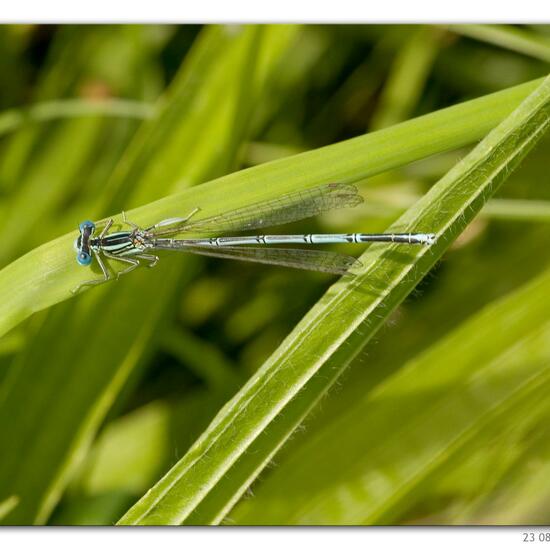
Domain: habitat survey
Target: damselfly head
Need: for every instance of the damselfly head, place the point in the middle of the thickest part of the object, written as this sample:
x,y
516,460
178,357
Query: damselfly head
x,y
83,257
82,243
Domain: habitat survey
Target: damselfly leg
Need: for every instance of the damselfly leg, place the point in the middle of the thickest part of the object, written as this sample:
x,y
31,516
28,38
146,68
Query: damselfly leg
x,y
127,222
93,282
106,228
132,261
151,258
174,221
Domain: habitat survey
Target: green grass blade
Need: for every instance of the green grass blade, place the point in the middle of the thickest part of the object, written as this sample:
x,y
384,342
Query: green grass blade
x,y
46,275
7,505
407,78
519,210
508,37
431,413
381,204
208,481
72,108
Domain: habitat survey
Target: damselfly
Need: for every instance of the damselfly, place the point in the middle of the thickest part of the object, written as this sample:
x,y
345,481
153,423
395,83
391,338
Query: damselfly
x,y
135,245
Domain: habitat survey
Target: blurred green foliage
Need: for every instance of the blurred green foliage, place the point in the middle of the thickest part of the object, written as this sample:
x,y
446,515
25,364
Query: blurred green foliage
x,y
440,415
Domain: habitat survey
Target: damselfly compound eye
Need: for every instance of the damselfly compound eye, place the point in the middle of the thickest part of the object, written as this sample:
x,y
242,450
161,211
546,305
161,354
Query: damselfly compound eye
x,y
83,258
90,226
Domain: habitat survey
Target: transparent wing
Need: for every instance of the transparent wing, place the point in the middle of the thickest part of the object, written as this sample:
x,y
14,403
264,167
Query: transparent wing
x,y
311,260
285,209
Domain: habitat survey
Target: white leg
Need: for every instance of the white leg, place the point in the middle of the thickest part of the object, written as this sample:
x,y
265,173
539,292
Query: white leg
x,y
93,282
106,228
150,258
133,263
125,220
173,221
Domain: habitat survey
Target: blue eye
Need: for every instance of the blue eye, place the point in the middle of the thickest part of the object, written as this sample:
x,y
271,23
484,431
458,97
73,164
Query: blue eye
x,y
87,225
83,258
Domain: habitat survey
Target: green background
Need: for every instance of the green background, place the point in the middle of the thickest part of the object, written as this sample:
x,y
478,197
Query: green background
x,y
208,391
